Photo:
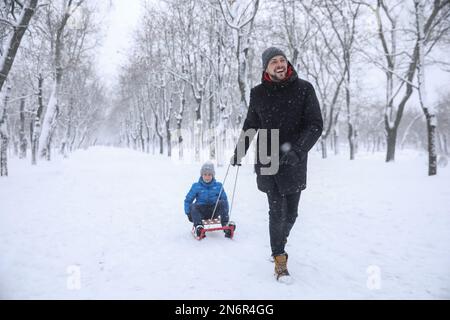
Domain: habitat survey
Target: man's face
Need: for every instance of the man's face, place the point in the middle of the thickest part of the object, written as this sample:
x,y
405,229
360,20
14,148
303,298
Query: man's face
x,y
277,68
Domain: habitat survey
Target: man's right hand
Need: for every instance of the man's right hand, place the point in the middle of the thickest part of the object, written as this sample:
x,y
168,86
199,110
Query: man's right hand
x,y
234,161
290,158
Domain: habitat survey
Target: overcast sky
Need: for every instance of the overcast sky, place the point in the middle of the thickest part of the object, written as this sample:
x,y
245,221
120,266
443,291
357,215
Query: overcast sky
x,y
121,20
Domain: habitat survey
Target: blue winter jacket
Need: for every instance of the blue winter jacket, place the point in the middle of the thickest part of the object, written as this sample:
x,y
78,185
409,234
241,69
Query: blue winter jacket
x,y
204,193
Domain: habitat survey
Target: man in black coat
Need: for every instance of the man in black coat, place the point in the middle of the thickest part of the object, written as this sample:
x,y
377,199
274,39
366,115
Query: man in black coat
x,y
285,108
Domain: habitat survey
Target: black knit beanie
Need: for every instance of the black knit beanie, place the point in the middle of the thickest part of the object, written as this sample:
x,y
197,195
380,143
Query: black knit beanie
x,y
269,53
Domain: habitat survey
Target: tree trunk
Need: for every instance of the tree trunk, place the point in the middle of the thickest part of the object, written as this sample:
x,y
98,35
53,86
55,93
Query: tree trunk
x,y
198,131
444,138
141,134
147,133
160,137
323,144
431,131
3,152
147,139
154,143
37,123
169,139
4,139
161,144
336,140
65,143
23,143
72,141
350,125
244,87
49,123
391,139
83,137
180,143
351,141
211,127
179,119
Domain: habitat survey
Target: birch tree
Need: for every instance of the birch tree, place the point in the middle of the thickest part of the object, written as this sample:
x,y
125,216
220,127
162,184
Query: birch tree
x,y
428,109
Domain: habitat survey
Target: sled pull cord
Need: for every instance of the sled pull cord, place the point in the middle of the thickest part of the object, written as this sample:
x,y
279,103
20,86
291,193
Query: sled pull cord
x,y
221,190
234,191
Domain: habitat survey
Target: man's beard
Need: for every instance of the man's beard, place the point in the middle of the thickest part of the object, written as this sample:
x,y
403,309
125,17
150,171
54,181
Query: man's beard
x,y
278,76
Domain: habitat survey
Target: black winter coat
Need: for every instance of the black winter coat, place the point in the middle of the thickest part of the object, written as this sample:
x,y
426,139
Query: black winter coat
x,y
291,106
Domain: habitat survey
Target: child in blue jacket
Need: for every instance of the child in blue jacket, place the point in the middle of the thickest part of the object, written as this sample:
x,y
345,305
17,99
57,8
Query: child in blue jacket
x,y
205,193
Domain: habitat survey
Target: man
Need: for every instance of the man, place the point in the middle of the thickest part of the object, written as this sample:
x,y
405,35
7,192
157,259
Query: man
x,y
289,105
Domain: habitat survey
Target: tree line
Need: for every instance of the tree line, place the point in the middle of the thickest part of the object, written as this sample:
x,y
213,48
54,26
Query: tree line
x,y
186,84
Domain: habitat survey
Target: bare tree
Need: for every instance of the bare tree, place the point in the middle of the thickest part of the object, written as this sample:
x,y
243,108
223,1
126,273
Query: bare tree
x,y
240,16
19,26
344,27
429,110
400,62
340,17
13,29
320,61
57,19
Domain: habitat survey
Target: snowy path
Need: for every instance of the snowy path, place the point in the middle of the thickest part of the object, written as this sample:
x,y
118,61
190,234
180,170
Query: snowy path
x,y
118,216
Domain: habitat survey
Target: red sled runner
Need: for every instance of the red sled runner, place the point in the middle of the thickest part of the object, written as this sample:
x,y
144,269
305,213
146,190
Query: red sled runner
x,y
210,225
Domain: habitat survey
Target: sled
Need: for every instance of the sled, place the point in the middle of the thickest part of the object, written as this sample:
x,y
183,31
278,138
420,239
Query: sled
x,y
210,225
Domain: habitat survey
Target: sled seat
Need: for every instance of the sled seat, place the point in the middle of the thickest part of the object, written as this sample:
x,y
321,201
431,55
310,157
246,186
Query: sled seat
x,y
211,222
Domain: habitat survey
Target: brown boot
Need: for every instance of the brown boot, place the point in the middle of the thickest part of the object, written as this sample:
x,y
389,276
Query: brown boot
x,y
281,266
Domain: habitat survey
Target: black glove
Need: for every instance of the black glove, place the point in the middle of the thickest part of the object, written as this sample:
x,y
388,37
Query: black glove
x,y
290,158
234,161
189,217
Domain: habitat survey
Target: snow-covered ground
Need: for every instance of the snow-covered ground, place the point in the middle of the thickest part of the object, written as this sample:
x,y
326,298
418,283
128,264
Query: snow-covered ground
x,y
114,217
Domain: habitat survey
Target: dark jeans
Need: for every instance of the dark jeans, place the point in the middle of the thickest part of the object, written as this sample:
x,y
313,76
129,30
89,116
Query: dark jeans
x,y
283,211
204,211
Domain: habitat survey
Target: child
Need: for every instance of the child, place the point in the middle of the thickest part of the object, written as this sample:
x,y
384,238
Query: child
x,y
205,193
